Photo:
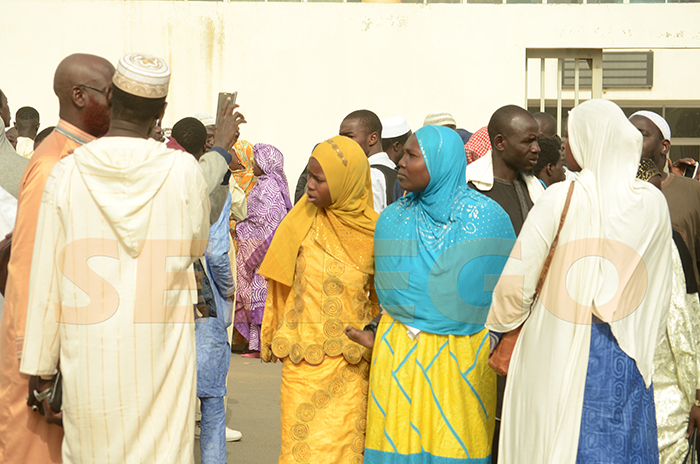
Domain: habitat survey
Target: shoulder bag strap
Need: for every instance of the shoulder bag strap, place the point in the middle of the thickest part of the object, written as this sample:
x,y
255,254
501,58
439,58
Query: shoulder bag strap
x,y
548,261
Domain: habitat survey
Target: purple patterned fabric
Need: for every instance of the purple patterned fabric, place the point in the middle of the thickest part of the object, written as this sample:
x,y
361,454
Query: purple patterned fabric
x,y
268,203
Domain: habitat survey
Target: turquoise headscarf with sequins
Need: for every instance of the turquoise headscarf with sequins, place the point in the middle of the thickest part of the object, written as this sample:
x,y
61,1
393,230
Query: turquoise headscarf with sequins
x,y
439,253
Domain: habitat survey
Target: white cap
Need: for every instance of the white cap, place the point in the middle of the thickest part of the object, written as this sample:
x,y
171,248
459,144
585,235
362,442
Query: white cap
x,y
142,75
205,118
394,127
439,118
658,120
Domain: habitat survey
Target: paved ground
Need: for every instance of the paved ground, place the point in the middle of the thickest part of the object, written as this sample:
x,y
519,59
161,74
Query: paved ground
x,y
253,409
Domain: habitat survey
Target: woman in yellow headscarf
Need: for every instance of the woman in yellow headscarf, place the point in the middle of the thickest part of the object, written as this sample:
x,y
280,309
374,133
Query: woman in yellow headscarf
x,y
320,268
244,177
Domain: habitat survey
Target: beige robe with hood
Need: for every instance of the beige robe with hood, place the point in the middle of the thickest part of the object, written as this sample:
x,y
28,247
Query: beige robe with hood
x,y
120,224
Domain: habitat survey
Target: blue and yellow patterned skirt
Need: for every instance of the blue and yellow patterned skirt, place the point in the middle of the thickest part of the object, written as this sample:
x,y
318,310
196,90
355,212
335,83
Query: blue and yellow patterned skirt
x,y
431,400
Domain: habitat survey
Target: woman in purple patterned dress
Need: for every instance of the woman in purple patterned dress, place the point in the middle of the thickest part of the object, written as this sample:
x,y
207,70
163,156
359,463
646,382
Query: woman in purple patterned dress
x,y
268,203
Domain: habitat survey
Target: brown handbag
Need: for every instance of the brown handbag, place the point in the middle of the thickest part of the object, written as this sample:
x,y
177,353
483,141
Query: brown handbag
x,y
500,358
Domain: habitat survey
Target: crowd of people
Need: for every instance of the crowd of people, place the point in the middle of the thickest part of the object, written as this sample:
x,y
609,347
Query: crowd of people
x,y
512,295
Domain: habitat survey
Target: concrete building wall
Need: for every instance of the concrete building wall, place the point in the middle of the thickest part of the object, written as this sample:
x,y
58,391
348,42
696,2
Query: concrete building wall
x,y
300,67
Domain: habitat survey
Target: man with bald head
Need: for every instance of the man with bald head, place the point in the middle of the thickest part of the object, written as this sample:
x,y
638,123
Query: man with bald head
x,y
82,84
139,212
505,173
547,125
682,193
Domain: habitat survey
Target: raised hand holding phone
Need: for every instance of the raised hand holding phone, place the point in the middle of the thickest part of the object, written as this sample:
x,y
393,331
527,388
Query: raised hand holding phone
x,y
227,130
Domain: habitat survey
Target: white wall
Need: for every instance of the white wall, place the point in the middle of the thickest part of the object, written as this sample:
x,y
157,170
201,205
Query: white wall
x,y
300,67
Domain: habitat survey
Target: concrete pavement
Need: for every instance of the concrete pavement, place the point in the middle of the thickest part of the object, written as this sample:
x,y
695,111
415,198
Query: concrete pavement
x,y
253,409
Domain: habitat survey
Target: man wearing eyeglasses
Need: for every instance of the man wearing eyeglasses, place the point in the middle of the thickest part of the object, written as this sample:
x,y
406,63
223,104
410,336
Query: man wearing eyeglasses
x,y
82,84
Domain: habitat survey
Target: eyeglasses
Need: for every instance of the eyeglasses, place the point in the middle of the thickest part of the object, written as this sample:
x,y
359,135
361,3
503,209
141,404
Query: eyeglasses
x,y
103,92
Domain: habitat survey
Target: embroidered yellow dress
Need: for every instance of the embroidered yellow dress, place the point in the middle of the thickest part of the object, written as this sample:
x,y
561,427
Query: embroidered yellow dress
x,y
325,377
320,268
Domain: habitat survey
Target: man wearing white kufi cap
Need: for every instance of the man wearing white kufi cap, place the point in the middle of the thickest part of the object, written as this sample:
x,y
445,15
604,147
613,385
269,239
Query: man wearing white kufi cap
x,y
121,326
682,194
395,133
383,166
210,125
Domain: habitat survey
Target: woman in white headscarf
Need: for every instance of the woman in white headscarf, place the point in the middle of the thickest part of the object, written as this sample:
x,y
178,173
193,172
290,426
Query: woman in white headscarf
x,y
579,383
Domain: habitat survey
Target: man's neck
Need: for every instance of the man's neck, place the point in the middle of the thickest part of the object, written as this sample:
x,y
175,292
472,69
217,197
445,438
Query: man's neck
x,y
27,134
660,167
501,171
374,150
73,118
122,128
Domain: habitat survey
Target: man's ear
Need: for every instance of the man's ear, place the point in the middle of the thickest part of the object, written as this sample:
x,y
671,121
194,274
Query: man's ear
x,y
78,97
665,147
162,112
499,142
549,169
373,139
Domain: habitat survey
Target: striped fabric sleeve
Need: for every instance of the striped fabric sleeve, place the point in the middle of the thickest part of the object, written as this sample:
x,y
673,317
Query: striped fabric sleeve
x,y
42,343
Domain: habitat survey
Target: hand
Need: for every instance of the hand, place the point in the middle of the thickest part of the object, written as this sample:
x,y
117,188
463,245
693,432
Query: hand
x,y
228,131
36,383
363,337
51,416
678,168
693,420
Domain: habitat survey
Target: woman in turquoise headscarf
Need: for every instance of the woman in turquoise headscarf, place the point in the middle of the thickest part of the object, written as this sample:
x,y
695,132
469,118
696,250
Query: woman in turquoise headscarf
x,y
438,252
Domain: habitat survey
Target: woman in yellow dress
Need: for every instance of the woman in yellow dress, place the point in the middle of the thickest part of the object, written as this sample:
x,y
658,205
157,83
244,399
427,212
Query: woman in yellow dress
x,y
320,268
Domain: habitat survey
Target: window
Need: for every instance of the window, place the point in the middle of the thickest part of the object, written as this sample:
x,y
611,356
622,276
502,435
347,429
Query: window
x,y
620,69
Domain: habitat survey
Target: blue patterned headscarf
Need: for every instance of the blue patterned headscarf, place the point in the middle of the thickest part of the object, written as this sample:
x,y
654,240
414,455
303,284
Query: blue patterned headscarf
x,y
439,253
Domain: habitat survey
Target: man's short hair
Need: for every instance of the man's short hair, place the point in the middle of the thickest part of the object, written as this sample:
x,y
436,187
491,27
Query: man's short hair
x,y
128,107
550,153
42,135
368,120
387,143
191,134
501,119
27,113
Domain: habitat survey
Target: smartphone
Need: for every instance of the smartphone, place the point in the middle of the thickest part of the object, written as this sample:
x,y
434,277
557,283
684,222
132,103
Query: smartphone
x,y
222,101
56,398
690,171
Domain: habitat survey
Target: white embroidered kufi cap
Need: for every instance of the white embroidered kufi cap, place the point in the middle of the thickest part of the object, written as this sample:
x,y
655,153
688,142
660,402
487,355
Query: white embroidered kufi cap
x,y
658,121
142,75
205,118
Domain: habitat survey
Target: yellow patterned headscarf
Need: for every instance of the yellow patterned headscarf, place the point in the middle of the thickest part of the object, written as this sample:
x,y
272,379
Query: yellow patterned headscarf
x,y
245,178
348,223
